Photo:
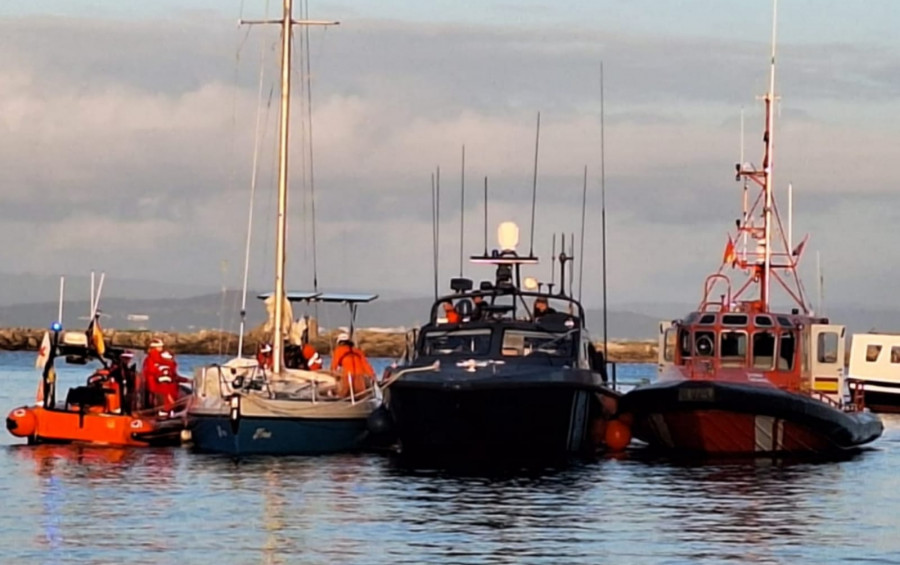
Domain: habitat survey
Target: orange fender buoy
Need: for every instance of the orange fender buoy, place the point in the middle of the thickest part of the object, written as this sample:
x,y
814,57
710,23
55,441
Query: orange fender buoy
x,y
22,422
618,435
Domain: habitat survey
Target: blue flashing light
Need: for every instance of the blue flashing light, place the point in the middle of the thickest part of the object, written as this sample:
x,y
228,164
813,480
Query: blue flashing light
x,y
56,326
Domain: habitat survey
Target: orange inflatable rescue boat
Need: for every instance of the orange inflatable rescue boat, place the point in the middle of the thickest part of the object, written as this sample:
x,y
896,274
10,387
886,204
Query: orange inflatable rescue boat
x,y
110,409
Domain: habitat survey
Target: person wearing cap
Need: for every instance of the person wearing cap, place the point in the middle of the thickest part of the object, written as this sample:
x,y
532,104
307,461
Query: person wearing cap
x,y
541,308
352,367
123,372
311,357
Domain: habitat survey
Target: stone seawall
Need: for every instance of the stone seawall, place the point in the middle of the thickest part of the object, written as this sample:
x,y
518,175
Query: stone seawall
x,y
206,342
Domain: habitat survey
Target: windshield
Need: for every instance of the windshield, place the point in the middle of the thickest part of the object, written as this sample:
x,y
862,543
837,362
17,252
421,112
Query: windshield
x,y
521,343
458,342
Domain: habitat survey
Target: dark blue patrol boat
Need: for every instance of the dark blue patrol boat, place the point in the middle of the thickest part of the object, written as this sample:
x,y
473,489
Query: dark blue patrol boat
x,y
501,372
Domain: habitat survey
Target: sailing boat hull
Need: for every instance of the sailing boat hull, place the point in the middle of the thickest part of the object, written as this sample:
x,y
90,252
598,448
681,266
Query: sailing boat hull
x,y
721,418
276,436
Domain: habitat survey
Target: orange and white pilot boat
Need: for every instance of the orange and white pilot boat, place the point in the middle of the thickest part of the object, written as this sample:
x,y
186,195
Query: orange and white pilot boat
x,y
738,376
110,409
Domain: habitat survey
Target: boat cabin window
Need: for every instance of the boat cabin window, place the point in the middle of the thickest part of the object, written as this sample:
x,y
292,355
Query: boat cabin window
x,y
705,344
763,321
827,347
733,347
669,342
787,351
684,342
457,342
785,321
521,343
895,354
763,350
872,352
708,319
734,320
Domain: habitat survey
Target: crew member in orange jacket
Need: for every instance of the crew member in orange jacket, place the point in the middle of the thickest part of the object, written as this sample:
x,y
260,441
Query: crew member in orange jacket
x,y
351,364
451,313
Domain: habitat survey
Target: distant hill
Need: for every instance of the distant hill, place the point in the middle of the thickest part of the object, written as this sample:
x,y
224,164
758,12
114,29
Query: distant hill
x,y
214,311
25,288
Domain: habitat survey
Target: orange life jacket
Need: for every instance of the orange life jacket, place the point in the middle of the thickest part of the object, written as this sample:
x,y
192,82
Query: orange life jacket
x,y
354,369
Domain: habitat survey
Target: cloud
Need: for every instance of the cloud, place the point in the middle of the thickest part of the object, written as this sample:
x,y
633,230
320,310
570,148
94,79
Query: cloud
x,y
140,135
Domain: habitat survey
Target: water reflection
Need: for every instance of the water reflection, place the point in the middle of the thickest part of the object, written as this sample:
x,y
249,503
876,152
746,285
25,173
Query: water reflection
x,y
68,504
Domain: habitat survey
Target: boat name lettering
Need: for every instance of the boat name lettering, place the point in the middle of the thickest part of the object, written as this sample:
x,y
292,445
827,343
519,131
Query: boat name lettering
x,y
262,433
696,395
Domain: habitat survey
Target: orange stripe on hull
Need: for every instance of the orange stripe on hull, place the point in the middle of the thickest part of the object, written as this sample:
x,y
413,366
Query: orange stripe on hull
x,y
722,432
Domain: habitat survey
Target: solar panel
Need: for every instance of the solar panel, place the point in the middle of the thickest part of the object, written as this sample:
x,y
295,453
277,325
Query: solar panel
x,y
293,296
308,296
345,297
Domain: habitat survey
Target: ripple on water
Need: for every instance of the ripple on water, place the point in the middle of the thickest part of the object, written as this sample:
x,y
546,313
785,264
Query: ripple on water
x,y
69,504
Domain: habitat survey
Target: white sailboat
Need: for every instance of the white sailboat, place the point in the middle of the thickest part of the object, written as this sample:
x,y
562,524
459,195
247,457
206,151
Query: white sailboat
x,y
241,408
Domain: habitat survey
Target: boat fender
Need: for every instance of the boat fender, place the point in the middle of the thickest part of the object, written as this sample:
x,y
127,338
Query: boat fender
x,y
379,421
618,435
22,422
235,413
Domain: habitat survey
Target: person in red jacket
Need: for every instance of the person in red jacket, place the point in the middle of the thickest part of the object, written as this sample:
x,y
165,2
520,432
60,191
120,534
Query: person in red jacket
x,y
312,358
149,386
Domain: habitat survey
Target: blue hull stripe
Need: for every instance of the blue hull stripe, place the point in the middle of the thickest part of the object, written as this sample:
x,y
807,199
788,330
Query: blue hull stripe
x,y
277,436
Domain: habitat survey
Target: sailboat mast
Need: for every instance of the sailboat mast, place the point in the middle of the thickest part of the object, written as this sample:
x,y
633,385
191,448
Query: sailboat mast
x,y
283,141
767,168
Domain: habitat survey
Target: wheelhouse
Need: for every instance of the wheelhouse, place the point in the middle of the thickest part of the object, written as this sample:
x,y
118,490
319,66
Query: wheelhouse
x,y
505,326
794,351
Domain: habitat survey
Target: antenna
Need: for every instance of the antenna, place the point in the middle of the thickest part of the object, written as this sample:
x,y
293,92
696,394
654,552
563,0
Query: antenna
x,y
581,258
434,234
603,211
552,267
571,263
767,167
485,217
462,208
562,264
537,140
790,216
437,225
746,203
91,305
821,284
62,291
96,297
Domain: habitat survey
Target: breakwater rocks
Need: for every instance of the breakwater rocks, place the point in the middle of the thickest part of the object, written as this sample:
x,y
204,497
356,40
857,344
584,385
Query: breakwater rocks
x,y
211,342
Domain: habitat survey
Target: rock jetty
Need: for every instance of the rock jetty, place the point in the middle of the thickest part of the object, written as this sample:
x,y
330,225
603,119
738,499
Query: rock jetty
x,y
212,342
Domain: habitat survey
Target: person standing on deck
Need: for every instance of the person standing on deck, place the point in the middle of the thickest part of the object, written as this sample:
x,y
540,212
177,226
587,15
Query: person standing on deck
x,y
350,363
148,386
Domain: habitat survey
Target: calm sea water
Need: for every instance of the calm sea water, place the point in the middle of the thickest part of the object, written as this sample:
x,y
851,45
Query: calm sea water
x,y
90,505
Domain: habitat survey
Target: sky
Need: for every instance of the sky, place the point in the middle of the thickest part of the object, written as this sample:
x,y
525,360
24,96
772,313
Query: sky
x,y
127,136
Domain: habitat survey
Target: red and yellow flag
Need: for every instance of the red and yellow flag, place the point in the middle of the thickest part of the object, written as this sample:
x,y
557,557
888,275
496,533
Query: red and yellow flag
x,y
729,256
